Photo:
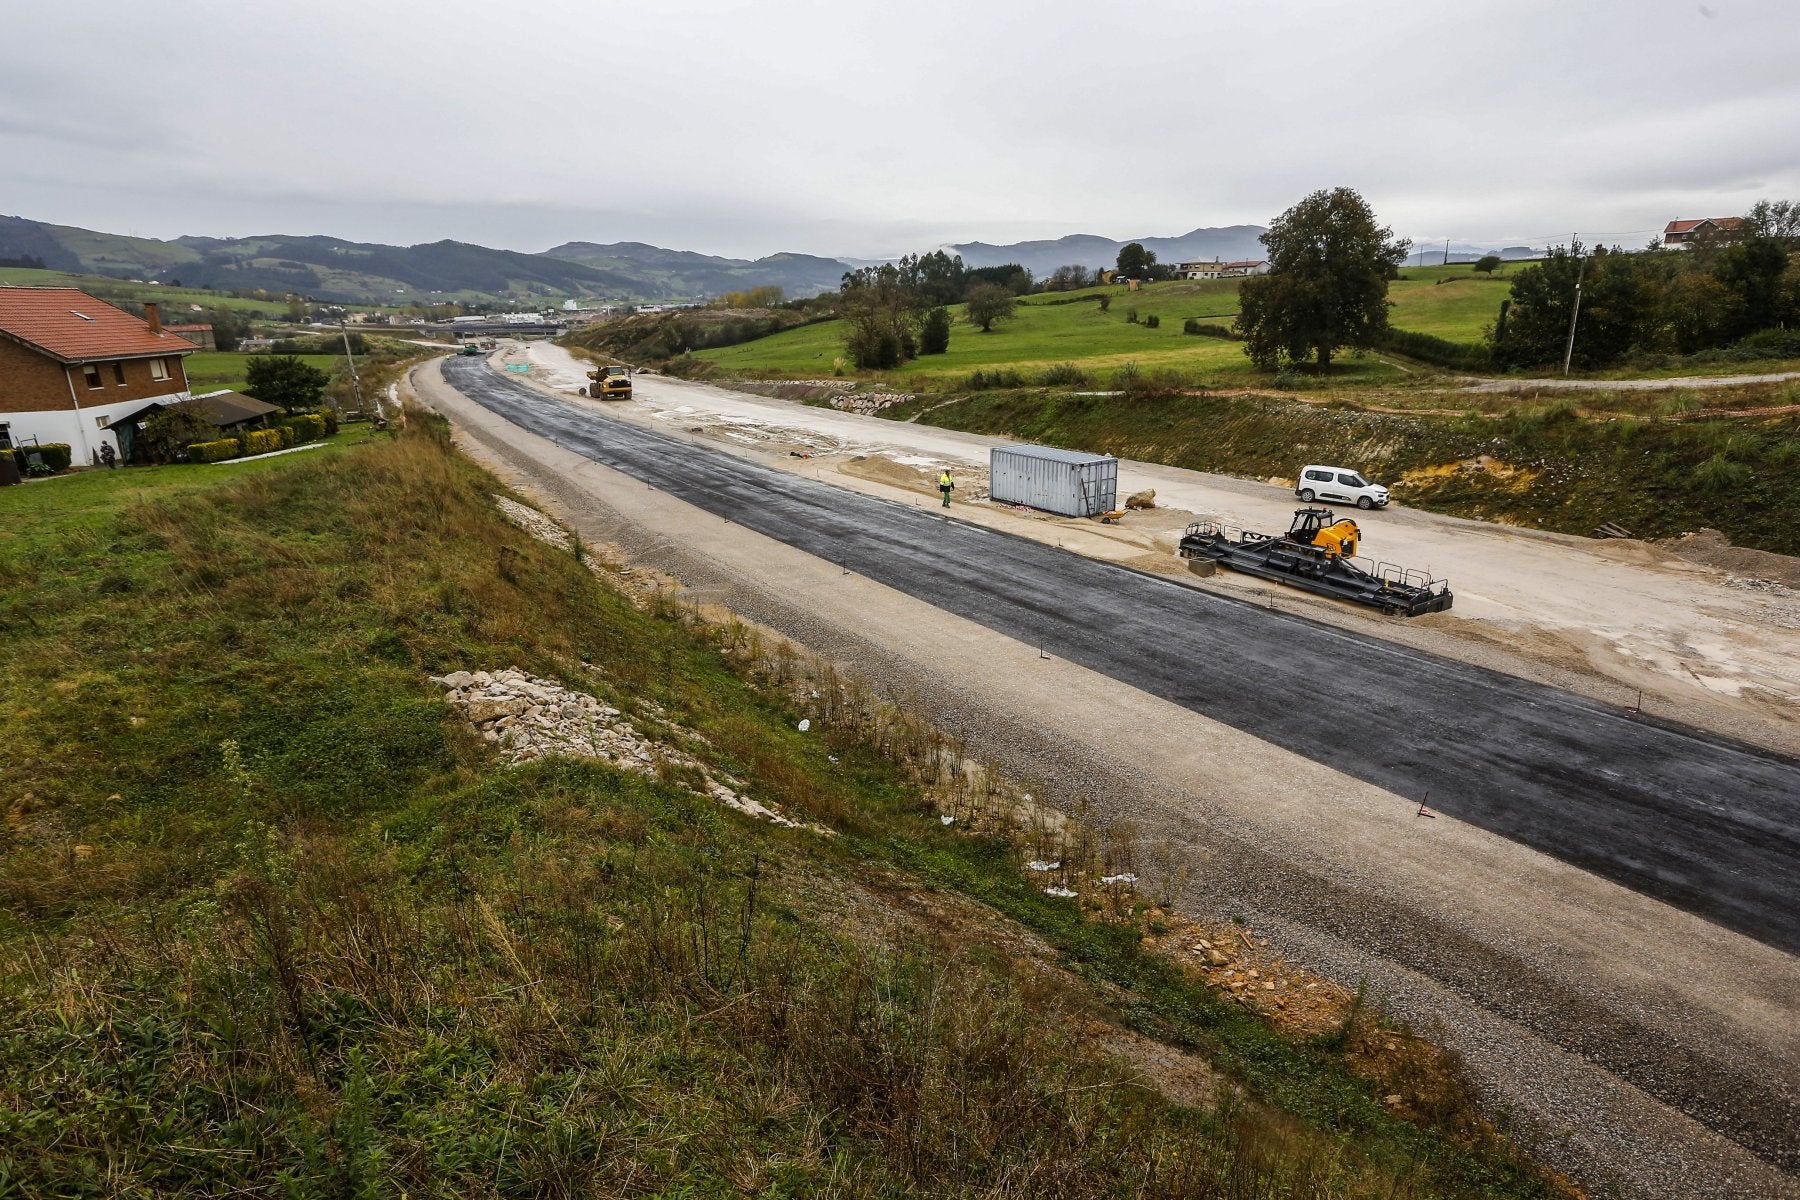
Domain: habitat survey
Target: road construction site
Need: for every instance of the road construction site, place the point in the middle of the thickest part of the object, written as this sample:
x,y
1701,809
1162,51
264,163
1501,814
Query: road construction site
x,y
1594,872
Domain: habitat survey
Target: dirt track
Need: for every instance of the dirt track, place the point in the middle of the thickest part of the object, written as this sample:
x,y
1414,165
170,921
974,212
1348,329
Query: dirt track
x,y
1532,964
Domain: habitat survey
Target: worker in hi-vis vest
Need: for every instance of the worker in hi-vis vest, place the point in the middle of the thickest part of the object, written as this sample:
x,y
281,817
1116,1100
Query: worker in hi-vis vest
x,y
945,483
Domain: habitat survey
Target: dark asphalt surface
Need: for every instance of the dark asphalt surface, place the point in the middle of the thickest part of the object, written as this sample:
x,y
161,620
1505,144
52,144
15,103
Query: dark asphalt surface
x,y
1699,821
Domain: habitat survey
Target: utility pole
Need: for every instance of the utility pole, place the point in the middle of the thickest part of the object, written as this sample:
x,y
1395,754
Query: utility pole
x,y
355,383
1446,252
1575,312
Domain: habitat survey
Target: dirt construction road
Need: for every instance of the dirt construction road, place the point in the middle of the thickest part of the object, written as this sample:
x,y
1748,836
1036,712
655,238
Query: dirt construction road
x,y
1593,1009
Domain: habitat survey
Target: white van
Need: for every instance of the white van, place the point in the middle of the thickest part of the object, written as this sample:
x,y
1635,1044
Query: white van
x,y
1340,484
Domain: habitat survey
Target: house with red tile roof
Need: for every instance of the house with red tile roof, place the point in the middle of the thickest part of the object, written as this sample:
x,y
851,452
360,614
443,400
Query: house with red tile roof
x,y
70,363
1681,235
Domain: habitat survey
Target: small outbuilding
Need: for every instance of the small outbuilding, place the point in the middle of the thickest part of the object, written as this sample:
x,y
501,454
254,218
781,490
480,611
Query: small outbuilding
x,y
226,410
1071,483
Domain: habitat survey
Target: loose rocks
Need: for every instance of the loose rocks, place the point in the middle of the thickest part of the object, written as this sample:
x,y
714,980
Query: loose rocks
x,y
529,718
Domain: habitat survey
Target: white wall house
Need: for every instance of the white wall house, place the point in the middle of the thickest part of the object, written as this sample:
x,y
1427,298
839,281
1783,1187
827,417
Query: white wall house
x,y
70,364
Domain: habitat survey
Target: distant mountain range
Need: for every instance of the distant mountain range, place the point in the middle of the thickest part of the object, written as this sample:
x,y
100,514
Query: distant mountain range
x,y
324,268
686,275
336,271
1230,243
1425,255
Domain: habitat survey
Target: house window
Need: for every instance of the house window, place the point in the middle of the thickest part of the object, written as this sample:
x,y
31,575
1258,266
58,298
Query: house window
x,y
5,437
103,422
159,368
119,374
91,373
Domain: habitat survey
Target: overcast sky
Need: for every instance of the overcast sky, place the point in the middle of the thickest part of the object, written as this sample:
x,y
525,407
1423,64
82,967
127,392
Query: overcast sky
x,y
843,128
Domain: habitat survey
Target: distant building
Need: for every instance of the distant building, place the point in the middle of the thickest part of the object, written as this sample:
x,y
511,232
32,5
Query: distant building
x,y
70,363
1222,270
200,335
1681,235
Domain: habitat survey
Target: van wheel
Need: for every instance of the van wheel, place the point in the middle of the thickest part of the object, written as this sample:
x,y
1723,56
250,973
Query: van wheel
x,y
1364,503
1307,496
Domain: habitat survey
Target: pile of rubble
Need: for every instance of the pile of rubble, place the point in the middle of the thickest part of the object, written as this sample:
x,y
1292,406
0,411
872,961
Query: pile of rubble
x,y
529,718
868,403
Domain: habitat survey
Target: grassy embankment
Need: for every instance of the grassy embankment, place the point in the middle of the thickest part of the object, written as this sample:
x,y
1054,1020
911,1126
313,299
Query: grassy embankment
x,y
271,921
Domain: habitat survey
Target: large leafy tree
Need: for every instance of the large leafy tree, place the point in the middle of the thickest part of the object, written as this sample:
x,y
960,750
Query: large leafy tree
x,y
1329,266
285,380
989,302
1134,261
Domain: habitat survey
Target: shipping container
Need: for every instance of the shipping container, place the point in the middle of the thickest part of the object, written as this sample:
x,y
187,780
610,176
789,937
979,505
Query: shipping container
x,y
1068,482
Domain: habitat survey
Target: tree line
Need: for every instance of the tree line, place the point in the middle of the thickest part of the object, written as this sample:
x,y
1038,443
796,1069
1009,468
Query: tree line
x,y
1330,263
895,312
1740,287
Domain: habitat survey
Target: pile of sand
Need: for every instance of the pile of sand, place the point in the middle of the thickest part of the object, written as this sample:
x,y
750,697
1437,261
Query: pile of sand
x,y
1710,548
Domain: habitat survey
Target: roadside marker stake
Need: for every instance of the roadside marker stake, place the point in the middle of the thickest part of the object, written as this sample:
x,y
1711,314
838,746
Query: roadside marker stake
x,y
1639,706
1423,811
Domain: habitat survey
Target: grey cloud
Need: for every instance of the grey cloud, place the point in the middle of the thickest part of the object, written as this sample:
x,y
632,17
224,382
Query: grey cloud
x,y
864,129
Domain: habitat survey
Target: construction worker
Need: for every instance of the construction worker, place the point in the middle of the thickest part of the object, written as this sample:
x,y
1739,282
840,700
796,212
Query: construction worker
x,y
945,483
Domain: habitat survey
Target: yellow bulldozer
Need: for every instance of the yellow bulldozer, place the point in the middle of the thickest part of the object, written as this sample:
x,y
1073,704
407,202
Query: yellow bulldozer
x,y
610,383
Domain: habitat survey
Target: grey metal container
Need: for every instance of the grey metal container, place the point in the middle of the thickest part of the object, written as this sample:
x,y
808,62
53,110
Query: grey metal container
x,y
1060,481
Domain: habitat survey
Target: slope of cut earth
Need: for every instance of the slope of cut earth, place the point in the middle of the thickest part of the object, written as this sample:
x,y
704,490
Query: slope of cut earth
x,y
1533,967
1704,642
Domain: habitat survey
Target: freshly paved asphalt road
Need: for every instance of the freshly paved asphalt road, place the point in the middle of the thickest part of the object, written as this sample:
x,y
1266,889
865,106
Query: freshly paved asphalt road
x,y
1699,821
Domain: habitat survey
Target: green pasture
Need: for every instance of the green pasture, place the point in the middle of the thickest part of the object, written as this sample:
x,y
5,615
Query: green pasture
x,y
1058,327
175,301
210,371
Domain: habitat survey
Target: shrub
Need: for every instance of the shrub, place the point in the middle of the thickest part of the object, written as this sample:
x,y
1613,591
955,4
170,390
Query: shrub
x,y
285,433
1126,376
1065,375
1458,356
1192,325
330,417
1773,343
208,452
1718,474
1152,322
987,381
56,456
260,441
307,427
1105,303
1131,317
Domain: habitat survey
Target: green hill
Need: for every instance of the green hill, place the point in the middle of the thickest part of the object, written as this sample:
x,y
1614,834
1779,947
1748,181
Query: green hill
x,y
1059,327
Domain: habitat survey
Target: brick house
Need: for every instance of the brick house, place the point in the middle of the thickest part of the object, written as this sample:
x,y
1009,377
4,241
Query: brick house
x,y
1681,235
70,363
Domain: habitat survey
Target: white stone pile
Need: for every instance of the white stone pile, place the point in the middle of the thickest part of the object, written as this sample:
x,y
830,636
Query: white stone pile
x,y
868,403
528,718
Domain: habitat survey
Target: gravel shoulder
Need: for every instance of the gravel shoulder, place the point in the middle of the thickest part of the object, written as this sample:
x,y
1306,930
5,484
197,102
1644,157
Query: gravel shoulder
x,y
1628,1038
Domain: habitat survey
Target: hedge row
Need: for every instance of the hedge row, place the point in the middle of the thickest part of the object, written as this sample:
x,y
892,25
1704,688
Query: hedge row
x,y
1458,356
262,441
307,427
209,452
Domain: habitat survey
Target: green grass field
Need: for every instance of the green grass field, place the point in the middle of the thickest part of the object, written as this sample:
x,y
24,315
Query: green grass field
x,y
210,371
175,301
1049,329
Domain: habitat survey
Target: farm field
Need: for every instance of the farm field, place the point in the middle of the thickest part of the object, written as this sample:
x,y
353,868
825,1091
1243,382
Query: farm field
x,y
175,301
1062,327
209,371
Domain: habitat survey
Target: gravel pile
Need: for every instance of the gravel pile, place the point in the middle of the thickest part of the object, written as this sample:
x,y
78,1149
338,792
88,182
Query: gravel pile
x,y
529,718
